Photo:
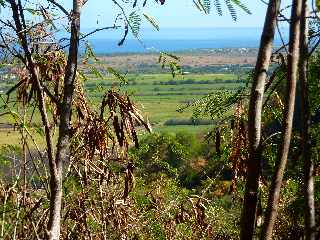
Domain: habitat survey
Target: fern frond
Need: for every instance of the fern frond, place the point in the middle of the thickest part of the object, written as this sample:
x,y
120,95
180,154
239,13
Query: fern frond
x,y
196,3
215,104
172,61
152,21
207,6
203,5
231,9
218,7
134,23
242,6
117,75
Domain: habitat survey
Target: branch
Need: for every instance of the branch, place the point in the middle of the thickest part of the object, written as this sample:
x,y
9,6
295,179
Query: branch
x,y
16,54
32,70
88,34
98,30
51,96
58,5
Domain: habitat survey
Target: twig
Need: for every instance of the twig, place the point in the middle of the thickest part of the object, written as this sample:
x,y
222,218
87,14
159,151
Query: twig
x,y
59,6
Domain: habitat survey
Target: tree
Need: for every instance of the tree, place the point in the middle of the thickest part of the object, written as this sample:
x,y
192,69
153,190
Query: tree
x,y
292,75
27,41
254,121
308,188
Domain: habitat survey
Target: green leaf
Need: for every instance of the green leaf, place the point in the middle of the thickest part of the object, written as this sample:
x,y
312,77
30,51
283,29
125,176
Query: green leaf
x,y
242,6
89,54
134,23
96,72
198,5
82,76
231,10
152,21
318,4
171,55
119,76
203,5
207,6
39,130
218,7
171,61
32,11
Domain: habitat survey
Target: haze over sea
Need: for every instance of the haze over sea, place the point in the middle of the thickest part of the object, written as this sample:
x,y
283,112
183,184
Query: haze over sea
x,y
178,39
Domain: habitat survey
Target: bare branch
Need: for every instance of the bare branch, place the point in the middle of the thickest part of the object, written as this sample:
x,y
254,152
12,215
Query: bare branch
x,y
59,6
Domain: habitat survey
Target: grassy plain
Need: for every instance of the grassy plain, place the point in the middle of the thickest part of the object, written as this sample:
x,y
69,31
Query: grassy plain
x,y
157,95
154,90
160,95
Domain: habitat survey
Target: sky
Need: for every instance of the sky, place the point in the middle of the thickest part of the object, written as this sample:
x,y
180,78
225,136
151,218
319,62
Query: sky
x,y
174,13
177,14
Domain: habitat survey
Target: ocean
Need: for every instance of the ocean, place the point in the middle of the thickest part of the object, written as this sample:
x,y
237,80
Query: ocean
x,y
178,39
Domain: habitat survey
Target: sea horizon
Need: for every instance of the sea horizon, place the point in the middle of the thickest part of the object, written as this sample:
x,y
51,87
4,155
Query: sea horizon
x,y
178,39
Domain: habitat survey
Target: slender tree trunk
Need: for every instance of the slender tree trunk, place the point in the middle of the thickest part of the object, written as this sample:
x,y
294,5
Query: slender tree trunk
x,y
309,211
19,21
254,121
292,72
62,154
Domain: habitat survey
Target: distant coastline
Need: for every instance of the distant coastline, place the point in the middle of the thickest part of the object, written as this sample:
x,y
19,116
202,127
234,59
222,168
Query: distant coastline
x,y
107,46
179,40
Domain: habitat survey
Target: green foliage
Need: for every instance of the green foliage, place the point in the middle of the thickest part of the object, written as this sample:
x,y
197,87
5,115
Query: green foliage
x,y
218,7
152,21
172,61
318,4
241,5
215,104
205,6
314,88
231,9
161,153
123,80
134,23
9,155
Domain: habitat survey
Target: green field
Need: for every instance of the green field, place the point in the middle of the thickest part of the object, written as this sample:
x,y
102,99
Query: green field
x,y
158,96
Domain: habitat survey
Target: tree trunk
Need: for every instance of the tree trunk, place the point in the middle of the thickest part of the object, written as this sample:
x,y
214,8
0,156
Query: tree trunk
x,y
254,121
292,71
62,154
309,211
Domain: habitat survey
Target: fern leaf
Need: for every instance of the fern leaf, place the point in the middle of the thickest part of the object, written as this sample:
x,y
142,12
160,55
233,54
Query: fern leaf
x,y
203,5
242,6
196,3
96,72
207,6
134,23
231,9
117,75
134,3
218,7
152,21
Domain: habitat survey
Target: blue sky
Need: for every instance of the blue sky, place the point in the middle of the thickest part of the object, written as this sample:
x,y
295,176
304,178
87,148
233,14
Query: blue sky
x,y
176,13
